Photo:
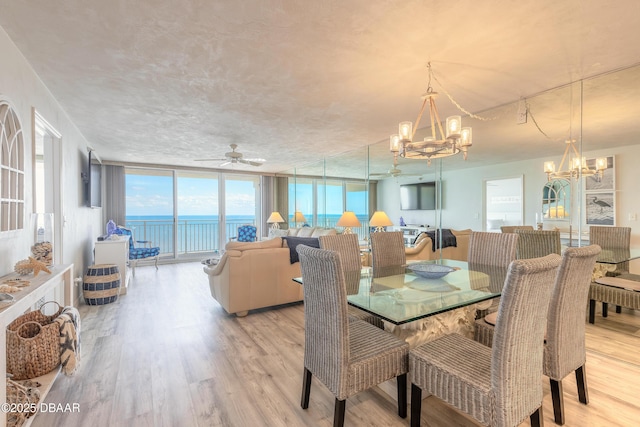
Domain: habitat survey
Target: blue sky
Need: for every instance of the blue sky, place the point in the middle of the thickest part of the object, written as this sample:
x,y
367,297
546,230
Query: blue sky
x,y
153,195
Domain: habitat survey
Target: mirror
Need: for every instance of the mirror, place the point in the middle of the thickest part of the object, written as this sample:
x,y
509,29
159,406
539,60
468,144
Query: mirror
x,y
503,203
556,200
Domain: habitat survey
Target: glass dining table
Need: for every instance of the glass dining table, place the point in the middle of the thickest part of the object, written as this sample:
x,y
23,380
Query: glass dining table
x,y
419,309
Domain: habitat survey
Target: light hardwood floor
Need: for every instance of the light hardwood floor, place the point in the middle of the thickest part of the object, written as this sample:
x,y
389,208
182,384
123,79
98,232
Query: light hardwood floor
x,y
167,354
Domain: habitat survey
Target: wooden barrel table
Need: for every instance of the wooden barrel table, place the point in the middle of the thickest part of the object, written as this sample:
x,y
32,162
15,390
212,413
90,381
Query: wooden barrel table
x,y
101,284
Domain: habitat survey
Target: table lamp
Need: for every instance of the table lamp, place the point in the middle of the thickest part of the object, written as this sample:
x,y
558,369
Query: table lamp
x,y
274,219
299,218
379,220
348,220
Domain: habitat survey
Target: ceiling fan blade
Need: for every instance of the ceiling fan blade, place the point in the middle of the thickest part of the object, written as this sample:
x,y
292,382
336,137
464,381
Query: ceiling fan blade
x,y
250,162
225,163
209,160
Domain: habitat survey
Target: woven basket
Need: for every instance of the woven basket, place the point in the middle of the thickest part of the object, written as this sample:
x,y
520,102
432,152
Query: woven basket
x,y
101,284
33,344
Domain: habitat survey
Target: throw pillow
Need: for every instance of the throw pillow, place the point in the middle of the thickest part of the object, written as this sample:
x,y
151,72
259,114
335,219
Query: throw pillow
x,y
293,242
276,232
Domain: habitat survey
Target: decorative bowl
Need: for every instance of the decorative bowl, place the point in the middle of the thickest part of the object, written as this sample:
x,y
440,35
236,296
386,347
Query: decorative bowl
x,y
431,271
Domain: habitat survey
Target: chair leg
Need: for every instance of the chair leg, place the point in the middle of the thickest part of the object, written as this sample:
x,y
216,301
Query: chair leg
x,y
338,413
416,405
605,309
618,309
156,262
133,267
558,402
402,395
581,380
592,311
306,388
536,418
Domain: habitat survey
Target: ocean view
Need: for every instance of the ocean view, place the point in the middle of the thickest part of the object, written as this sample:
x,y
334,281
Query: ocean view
x,y
199,233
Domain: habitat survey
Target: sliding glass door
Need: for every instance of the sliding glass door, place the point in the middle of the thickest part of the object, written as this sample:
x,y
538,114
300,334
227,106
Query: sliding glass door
x,y
189,214
150,207
197,212
240,203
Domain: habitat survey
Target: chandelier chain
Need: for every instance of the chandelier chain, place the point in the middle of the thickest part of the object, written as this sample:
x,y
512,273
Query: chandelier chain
x,y
454,102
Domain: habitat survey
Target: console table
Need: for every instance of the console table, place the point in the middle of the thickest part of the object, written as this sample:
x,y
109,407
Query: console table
x,y
57,286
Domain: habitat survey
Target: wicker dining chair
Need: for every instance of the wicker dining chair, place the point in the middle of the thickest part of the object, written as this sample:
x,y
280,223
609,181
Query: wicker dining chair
x,y
387,253
513,228
347,355
348,248
610,239
489,251
537,243
497,386
564,349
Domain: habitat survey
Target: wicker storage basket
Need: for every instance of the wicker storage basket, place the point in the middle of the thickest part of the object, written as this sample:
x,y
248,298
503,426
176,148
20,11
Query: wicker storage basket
x,y
101,284
33,344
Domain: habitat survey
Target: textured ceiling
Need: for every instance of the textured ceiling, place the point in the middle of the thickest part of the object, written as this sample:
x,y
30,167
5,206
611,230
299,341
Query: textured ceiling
x,y
292,81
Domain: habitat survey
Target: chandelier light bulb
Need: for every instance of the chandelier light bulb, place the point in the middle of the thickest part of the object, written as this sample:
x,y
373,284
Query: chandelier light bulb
x,y
453,126
405,129
394,143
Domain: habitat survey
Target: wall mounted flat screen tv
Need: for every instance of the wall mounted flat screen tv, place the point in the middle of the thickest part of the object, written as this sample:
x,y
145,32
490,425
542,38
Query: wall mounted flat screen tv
x,y
420,196
94,184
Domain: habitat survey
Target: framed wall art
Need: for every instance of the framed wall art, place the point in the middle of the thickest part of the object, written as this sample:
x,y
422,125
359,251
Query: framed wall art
x,y
600,208
601,182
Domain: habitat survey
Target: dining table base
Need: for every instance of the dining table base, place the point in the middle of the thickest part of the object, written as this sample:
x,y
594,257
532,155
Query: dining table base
x,y
459,321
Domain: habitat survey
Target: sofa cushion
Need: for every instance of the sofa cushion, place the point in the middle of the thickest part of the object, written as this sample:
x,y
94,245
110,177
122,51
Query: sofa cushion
x,y
276,232
245,246
323,232
305,231
293,241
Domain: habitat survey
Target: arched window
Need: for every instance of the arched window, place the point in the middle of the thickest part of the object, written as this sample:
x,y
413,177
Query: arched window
x,y
11,170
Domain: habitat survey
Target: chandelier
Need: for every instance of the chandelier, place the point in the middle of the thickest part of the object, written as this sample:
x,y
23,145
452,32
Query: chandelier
x,y
576,166
448,142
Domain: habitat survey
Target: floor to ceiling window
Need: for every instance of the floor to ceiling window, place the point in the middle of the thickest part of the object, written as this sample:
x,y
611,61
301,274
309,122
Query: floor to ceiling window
x,y
150,207
323,201
189,213
240,202
198,212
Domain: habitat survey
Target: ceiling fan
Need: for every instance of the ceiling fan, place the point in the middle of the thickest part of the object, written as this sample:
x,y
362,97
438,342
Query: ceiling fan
x,y
393,172
233,157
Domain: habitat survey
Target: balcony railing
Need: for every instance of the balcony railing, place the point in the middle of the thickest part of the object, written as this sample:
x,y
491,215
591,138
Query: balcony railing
x,y
199,236
194,236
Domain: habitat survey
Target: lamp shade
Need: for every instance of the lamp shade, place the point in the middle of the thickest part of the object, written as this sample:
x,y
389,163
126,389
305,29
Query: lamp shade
x,y
275,217
348,220
380,219
299,217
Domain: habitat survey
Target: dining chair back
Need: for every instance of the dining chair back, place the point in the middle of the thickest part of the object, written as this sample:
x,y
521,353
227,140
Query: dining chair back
x,y
347,355
564,348
491,251
348,249
513,228
387,253
612,239
497,249
537,243
497,386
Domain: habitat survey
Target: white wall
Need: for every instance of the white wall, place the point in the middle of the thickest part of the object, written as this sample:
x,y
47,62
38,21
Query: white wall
x,y
22,87
463,193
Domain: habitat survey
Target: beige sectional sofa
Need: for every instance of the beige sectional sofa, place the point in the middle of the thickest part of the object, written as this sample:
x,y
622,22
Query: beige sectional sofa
x,y
423,248
257,274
